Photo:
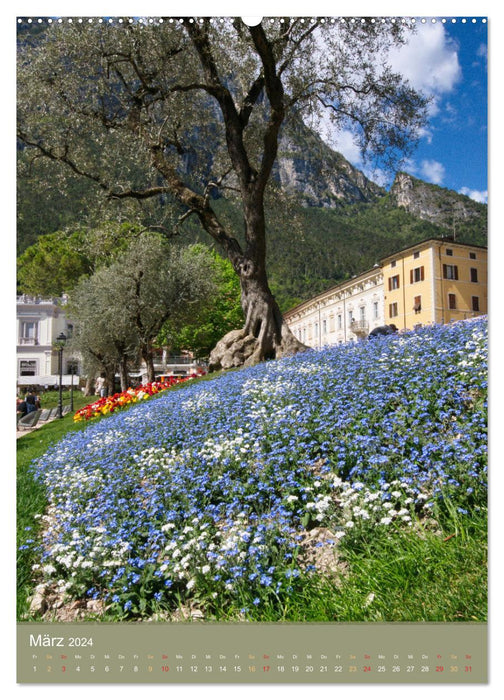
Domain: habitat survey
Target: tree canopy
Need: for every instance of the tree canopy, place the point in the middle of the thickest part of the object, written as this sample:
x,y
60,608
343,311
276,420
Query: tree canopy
x,y
185,111
120,310
206,325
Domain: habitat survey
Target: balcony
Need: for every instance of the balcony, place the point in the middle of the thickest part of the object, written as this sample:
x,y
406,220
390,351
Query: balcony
x,y
29,341
360,328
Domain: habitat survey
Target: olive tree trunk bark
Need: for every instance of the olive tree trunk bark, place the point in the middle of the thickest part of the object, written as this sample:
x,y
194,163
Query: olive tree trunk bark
x,y
264,336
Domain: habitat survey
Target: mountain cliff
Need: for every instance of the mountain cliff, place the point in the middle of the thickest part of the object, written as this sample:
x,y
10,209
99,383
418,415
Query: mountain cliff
x,y
433,203
319,176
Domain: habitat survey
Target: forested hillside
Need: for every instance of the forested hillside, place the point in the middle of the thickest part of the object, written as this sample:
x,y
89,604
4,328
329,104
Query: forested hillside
x,y
310,248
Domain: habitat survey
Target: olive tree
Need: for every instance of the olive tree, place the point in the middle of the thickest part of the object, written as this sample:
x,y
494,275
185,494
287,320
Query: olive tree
x,y
121,308
189,110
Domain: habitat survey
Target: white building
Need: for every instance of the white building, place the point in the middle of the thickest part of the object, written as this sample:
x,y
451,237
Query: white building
x,y
343,313
39,323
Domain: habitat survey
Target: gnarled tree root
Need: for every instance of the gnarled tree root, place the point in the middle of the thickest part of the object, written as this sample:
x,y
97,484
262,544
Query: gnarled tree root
x,y
242,349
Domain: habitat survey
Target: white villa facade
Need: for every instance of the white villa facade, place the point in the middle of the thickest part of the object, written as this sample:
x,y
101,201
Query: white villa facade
x,y
343,313
39,323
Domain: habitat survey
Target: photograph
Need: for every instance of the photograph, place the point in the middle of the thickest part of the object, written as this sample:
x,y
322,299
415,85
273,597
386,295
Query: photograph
x,y
252,349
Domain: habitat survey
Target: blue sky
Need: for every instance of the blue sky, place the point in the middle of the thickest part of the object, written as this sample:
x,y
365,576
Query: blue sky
x,y
447,61
453,151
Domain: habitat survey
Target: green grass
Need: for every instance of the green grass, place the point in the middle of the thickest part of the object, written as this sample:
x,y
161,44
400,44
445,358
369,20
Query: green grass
x,y
428,576
30,495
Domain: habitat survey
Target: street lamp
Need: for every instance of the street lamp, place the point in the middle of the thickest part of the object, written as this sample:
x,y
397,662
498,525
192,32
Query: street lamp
x,y
60,344
71,387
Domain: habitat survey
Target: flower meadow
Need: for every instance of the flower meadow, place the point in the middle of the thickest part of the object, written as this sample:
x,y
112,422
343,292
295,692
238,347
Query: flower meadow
x,y
109,404
234,492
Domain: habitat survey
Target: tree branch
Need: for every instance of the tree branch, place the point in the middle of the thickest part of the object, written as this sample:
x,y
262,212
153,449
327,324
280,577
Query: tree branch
x,y
232,120
61,158
275,92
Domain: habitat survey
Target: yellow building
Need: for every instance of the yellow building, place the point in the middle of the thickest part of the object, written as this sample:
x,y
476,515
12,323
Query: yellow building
x,y
435,281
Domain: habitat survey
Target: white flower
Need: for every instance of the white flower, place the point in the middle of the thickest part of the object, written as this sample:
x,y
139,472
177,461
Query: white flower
x,y
191,584
386,521
205,569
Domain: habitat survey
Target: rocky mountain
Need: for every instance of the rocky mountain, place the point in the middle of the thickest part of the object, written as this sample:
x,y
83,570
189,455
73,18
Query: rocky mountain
x,y
307,167
433,203
335,223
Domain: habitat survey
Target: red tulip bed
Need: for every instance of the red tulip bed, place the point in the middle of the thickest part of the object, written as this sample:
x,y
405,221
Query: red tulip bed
x,y
110,404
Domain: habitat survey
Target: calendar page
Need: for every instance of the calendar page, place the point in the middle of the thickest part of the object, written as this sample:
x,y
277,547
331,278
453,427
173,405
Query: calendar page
x,y
252,303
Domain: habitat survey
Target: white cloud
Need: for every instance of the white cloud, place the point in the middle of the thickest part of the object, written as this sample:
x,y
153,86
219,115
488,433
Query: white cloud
x,y
379,176
477,195
344,142
432,171
429,60
426,134
482,51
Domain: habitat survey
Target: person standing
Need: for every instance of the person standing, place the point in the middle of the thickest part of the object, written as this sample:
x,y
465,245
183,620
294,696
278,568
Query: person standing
x,y
100,386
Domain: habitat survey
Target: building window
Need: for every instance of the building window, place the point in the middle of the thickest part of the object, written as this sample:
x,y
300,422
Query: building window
x,y
393,263
472,256
417,305
393,310
29,333
449,251
350,317
27,368
450,272
393,282
416,254
375,310
362,313
340,322
475,304
324,326
452,301
474,274
417,274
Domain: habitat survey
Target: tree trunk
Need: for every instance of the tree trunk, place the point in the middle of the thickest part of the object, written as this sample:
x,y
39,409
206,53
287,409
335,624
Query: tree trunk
x,y
124,374
110,381
89,387
264,336
148,358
